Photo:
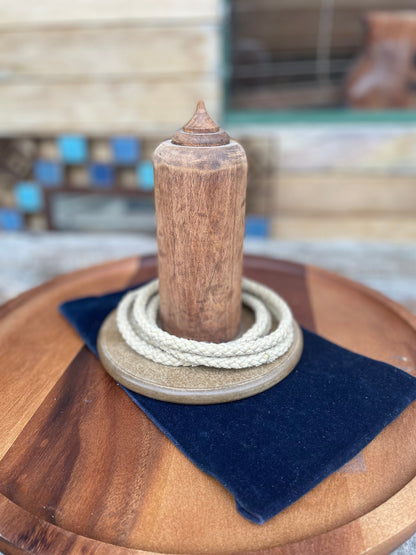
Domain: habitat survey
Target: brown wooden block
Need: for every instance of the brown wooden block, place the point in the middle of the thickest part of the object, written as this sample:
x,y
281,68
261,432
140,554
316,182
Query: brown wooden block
x,y
48,149
16,157
36,222
100,151
7,197
126,178
27,146
77,176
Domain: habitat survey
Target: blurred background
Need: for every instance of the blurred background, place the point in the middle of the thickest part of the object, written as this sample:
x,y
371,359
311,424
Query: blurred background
x,y
321,93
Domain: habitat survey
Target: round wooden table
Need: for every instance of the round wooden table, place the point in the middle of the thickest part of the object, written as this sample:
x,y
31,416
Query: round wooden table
x,y
82,469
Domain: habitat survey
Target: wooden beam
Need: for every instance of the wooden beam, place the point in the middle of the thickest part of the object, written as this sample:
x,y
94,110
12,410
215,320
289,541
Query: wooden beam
x,y
49,12
336,193
367,228
102,52
149,105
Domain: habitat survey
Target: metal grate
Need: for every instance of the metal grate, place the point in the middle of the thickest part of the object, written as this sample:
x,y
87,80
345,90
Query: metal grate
x,y
296,53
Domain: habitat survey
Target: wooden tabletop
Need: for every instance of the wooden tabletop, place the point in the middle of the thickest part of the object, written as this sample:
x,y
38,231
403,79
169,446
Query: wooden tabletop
x,y
82,468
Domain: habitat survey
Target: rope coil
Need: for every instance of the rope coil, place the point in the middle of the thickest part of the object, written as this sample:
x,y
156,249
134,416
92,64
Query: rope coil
x,y
137,324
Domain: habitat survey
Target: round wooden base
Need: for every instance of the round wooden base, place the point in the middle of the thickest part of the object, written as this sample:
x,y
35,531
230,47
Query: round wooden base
x,y
83,470
195,385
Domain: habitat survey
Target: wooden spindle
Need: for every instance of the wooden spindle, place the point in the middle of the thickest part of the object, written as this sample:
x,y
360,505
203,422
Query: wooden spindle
x,y
200,191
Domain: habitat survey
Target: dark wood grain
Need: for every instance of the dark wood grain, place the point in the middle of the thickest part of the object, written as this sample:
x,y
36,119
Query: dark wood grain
x,y
83,470
289,279
58,457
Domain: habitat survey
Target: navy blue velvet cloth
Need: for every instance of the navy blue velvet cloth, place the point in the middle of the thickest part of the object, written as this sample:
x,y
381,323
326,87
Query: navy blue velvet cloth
x,y
270,449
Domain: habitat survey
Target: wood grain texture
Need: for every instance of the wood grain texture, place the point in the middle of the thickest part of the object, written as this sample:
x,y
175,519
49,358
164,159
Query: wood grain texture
x,y
45,363
105,53
152,105
191,384
200,195
47,12
87,471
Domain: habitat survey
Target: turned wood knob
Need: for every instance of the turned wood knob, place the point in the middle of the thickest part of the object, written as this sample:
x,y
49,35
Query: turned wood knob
x,y
200,192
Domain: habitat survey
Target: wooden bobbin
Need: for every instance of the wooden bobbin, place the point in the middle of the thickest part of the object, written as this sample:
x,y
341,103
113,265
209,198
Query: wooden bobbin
x,y
200,194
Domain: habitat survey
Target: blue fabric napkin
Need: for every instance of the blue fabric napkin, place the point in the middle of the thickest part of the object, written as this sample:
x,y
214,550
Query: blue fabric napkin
x,y
270,449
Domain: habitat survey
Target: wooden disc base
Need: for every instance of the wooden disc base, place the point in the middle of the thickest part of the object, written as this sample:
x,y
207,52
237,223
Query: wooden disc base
x,y
83,470
195,385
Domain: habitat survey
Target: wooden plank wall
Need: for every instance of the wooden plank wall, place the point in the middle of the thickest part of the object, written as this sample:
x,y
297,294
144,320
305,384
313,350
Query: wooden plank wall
x,y
336,182
101,66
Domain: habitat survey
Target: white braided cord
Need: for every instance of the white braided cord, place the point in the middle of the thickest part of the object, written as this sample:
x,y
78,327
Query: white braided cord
x,y
136,322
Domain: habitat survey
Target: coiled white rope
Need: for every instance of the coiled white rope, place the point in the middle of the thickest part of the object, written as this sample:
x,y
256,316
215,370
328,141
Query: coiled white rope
x,y
136,322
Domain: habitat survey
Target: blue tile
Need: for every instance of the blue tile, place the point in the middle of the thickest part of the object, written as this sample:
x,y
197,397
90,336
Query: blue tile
x,y
101,175
10,219
257,226
28,196
145,177
73,149
48,172
126,150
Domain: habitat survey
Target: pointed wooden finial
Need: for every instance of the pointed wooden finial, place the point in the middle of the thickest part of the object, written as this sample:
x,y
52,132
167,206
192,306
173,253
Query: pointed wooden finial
x,y
201,130
200,188
201,121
